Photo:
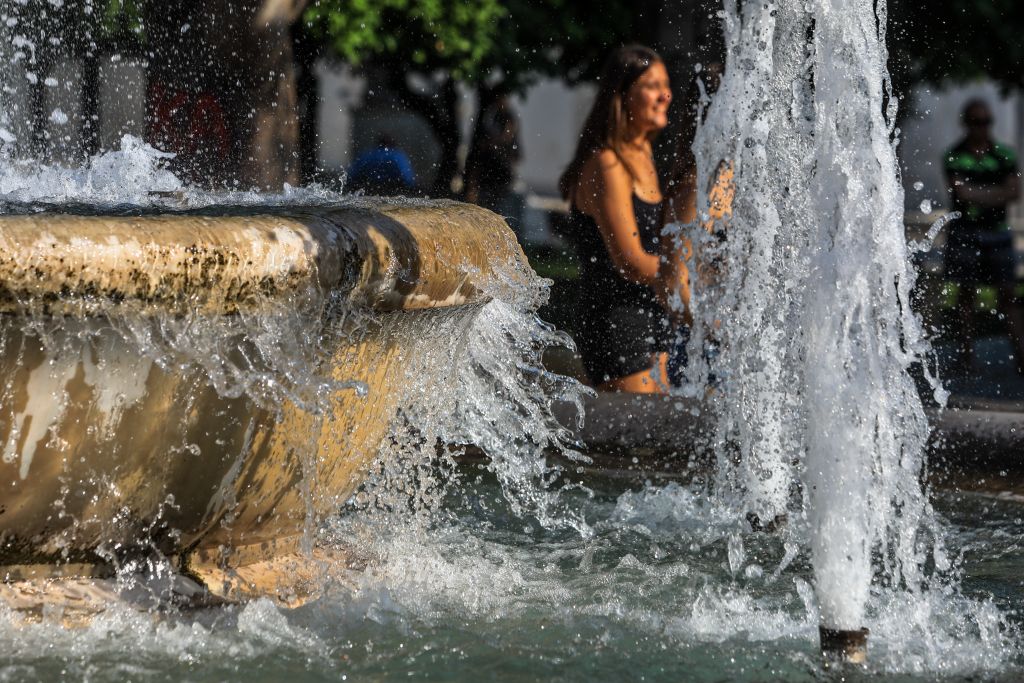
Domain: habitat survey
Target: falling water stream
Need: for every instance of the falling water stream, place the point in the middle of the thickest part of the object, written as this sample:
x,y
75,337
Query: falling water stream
x,y
512,568
812,314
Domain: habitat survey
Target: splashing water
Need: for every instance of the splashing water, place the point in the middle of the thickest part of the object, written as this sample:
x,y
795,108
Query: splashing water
x,y
512,569
131,175
812,314
481,386
132,178
647,595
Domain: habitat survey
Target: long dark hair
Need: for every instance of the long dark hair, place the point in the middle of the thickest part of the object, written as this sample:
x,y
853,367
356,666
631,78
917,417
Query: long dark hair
x,y
605,127
684,165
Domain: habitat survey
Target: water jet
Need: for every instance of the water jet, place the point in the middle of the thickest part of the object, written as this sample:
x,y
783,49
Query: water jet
x,y
812,317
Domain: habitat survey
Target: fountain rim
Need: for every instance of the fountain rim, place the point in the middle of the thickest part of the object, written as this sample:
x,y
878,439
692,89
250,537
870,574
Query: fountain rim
x,y
225,260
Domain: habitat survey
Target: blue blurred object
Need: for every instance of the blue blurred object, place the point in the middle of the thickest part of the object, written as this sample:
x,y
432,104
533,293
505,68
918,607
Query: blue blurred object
x,y
384,170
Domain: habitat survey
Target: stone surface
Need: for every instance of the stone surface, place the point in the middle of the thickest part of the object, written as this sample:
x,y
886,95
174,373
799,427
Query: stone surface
x,y
388,256
108,451
655,435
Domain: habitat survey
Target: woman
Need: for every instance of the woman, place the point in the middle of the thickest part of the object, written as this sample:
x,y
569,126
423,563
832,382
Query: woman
x,y
615,219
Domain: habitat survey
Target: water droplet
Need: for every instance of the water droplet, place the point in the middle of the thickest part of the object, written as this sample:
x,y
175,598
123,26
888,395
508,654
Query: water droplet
x,y
734,551
918,186
926,206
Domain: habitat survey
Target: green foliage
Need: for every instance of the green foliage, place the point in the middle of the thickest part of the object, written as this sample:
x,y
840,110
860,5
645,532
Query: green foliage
x,y
122,18
498,42
78,27
453,35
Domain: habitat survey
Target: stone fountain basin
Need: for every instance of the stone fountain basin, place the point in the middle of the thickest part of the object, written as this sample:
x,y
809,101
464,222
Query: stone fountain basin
x,y
106,451
975,444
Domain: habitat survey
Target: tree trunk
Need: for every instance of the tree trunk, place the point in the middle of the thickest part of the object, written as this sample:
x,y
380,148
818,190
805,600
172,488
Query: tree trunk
x,y
306,51
37,111
271,158
309,137
485,97
223,76
90,131
448,128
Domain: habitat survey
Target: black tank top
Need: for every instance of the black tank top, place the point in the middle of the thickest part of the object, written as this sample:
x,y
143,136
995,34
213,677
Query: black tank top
x,y
604,280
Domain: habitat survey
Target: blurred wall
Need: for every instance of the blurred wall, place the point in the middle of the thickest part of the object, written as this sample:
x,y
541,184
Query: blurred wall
x,y
551,116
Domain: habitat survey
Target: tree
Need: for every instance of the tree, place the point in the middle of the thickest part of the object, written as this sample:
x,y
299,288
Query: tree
x,y
222,88
424,47
222,81
45,33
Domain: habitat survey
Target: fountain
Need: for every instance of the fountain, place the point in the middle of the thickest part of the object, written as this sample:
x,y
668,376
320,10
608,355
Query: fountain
x,y
816,330
212,399
209,385
195,380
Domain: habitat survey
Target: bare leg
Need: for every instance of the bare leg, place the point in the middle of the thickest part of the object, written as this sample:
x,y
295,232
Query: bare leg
x,y
653,380
965,309
1014,313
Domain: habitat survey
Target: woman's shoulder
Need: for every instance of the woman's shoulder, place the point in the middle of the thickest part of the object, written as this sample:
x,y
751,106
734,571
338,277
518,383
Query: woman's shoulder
x,y
602,174
604,164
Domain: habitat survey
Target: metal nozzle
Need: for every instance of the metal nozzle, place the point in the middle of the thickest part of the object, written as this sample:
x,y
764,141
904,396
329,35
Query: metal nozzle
x,y
841,646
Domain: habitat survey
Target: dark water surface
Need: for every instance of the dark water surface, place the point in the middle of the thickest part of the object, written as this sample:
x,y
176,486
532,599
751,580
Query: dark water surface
x,y
669,587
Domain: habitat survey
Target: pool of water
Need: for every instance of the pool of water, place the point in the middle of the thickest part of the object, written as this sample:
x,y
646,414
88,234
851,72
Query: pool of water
x,y
667,587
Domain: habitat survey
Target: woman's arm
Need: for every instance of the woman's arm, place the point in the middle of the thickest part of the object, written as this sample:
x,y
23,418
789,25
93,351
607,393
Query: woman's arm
x,y
612,204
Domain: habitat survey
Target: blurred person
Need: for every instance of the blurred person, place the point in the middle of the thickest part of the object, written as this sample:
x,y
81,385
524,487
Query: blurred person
x,y
982,178
492,160
615,220
383,171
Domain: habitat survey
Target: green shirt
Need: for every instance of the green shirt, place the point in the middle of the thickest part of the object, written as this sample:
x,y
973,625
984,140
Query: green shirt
x,y
991,169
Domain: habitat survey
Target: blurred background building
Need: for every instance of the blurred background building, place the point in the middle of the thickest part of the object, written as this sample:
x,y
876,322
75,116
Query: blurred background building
x,y
260,93
349,87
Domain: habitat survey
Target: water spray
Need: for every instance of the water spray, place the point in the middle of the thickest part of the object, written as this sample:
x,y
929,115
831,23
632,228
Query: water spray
x,y
813,312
